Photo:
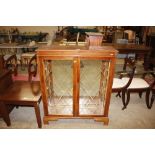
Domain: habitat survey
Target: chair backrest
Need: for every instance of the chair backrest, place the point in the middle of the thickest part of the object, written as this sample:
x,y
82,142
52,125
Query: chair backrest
x,y
129,62
149,77
32,67
11,64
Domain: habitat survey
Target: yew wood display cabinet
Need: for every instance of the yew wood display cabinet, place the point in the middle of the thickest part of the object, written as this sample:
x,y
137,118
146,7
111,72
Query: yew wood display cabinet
x,y
76,82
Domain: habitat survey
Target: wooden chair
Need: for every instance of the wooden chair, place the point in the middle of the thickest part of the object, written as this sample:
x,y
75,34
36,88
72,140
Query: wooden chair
x,y
5,82
25,58
120,85
139,85
11,64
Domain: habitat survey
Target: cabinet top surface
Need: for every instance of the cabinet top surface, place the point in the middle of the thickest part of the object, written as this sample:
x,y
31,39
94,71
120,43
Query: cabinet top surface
x,y
75,48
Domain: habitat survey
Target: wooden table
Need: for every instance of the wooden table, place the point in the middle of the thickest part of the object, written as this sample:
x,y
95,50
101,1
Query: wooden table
x,y
139,50
5,82
21,93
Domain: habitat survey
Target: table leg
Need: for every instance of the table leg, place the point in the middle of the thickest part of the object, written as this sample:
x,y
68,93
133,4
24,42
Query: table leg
x,y
5,113
38,117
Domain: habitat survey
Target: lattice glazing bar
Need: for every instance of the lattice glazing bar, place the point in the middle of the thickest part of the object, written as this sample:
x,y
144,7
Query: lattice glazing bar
x,y
59,85
93,86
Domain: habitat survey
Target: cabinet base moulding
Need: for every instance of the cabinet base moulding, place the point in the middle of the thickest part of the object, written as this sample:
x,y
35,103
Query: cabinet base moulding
x,y
105,120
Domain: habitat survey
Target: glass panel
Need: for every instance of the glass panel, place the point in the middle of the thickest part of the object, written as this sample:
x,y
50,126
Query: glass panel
x,y
93,85
59,84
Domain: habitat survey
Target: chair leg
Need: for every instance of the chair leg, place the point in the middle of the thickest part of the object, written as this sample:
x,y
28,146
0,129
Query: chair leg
x,y
140,94
127,100
147,98
152,100
123,99
118,94
17,106
149,102
38,117
5,114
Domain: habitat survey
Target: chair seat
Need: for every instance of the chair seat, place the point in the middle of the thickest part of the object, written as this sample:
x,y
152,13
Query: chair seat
x,y
118,83
137,83
20,78
36,78
24,78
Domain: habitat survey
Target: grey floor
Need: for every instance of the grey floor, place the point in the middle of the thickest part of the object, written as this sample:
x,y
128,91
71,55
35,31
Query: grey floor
x,y
135,116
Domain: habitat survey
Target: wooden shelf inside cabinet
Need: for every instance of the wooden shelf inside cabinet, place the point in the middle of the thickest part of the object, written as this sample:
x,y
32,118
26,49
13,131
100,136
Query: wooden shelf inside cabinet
x,y
76,81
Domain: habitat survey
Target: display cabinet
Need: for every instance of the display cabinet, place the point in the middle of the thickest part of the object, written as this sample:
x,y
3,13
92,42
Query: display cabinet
x,y
76,82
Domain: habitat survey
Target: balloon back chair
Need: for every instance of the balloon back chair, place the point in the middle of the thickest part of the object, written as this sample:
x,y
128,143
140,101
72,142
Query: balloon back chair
x,y
11,64
140,85
121,84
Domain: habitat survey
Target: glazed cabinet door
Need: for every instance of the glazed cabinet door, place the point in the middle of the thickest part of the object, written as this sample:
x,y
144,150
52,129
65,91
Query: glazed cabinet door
x,y
58,77
94,79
